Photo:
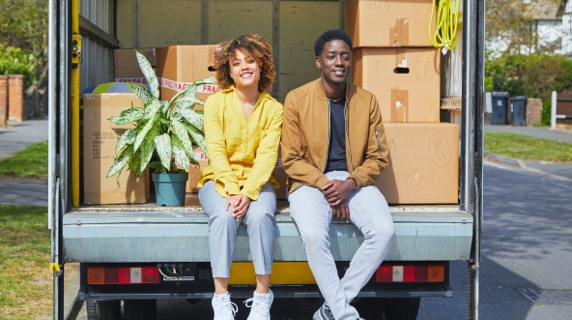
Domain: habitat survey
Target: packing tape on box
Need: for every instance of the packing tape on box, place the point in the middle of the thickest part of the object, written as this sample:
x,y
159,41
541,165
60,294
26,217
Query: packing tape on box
x,y
399,105
399,33
180,85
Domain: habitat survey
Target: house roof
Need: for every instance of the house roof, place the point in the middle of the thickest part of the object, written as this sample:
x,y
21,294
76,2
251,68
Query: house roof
x,y
545,9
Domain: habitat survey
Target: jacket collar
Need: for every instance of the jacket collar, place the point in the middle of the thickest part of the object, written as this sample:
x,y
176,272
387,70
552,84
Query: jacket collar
x,y
322,93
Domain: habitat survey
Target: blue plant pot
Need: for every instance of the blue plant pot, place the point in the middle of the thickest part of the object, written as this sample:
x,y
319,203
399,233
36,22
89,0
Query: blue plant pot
x,y
170,188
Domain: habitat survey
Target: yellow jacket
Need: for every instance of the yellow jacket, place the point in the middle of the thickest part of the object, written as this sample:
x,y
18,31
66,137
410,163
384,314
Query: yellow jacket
x,y
242,153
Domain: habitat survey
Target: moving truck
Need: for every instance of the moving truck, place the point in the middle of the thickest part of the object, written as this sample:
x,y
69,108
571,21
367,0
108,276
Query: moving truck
x,y
133,254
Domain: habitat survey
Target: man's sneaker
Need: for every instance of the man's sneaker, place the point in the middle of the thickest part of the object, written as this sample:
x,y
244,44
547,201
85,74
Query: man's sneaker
x,y
223,308
324,313
259,305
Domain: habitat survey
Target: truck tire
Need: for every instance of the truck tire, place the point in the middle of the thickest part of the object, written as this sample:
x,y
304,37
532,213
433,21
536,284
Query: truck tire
x,y
103,310
140,310
401,308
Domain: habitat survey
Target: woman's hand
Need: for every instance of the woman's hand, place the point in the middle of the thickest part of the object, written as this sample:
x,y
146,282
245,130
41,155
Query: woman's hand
x,y
239,203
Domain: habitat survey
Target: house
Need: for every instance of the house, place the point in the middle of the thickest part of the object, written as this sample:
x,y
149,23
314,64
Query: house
x,y
538,26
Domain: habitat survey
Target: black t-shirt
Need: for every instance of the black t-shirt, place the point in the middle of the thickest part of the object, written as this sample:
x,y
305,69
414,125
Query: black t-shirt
x,y
337,150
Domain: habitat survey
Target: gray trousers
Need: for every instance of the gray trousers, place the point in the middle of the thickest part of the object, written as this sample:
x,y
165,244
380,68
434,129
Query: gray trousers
x,y
369,212
259,221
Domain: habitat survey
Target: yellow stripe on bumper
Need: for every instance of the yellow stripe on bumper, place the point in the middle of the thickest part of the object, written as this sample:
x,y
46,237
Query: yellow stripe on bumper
x,y
282,273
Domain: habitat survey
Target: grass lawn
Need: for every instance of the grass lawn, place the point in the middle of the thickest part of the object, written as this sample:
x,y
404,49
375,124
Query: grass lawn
x,y
527,148
25,280
29,163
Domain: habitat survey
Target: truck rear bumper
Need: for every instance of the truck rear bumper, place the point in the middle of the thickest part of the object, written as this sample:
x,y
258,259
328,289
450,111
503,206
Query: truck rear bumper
x,y
125,234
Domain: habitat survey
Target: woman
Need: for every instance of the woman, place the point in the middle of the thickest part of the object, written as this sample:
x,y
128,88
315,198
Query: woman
x,y
242,132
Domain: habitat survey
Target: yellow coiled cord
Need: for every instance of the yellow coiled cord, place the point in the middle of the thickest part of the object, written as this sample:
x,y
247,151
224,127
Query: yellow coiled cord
x,y
447,24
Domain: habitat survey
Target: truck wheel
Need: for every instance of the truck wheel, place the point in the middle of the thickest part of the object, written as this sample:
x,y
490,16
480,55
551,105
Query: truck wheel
x,y
139,309
103,310
401,308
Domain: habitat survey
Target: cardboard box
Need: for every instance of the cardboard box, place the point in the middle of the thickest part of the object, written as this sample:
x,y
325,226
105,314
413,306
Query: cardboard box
x,y
127,67
405,81
389,23
99,140
178,66
195,171
423,164
281,177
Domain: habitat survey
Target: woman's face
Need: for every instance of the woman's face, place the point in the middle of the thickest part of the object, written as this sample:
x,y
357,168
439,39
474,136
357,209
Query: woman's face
x,y
244,70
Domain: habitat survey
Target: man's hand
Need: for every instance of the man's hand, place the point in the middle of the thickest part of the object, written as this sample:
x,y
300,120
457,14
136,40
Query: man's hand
x,y
239,203
336,191
342,212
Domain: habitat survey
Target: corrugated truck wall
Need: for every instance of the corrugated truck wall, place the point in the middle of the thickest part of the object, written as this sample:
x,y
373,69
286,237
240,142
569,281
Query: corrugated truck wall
x,y
290,26
98,40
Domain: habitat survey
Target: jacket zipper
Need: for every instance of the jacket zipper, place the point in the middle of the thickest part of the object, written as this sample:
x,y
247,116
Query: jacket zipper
x,y
378,142
348,137
328,146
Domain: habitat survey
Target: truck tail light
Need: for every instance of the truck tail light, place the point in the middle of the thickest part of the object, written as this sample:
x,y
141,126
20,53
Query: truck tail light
x,y
98,274
413,273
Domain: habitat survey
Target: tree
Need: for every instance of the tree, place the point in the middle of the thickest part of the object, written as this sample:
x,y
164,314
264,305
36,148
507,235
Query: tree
x,y
512,26
24,26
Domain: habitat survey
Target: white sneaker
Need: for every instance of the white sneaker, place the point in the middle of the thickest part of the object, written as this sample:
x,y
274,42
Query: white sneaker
x,y
223,308
324,313
260,305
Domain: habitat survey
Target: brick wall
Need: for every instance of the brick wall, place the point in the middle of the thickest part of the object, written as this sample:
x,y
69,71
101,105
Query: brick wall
x,y
533,111
16,97
3,100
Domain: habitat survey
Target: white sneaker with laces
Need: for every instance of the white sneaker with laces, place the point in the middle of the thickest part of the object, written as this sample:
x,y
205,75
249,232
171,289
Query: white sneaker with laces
x,y
259,305
223,308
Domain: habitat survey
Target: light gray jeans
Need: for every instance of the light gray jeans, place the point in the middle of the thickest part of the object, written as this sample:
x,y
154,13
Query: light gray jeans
x,y
369,212
259,221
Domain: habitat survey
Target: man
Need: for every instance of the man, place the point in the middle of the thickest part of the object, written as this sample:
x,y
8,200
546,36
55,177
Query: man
x,y
333,149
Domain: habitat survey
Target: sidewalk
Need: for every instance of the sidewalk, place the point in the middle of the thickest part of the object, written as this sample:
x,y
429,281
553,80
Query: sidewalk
x,y
16,137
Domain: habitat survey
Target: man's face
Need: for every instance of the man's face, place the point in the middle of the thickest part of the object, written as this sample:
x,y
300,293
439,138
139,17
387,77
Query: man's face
x,y
335,61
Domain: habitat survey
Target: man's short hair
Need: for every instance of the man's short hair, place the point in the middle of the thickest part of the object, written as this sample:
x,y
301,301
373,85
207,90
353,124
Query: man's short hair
x,y
334,34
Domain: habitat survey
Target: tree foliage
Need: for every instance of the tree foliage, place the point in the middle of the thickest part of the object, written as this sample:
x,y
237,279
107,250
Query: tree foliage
x,y
24,39
511,26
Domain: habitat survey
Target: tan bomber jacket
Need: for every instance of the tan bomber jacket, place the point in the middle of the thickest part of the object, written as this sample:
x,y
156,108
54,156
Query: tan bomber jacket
x,y
305,136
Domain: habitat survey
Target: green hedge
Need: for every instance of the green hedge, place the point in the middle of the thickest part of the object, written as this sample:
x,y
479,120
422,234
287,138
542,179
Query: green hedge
x,y
16,61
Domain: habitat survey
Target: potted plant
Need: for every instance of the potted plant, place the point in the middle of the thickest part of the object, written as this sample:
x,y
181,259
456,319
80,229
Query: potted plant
x,y
163,136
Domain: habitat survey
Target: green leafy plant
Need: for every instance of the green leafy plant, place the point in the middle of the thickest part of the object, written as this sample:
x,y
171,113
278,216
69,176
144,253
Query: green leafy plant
x,y
164,131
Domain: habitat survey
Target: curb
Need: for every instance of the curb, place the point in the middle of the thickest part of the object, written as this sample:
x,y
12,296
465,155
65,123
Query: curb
x,y
504,159
520,164
72,305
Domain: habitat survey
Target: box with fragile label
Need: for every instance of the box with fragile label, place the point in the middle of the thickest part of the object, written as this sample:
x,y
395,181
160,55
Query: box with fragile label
x,y
389,23
179,66
406,81
127,67
195,170
100,137
423,164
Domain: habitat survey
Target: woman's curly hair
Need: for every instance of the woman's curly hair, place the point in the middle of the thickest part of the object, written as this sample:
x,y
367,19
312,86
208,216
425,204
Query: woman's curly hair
x,y
255,45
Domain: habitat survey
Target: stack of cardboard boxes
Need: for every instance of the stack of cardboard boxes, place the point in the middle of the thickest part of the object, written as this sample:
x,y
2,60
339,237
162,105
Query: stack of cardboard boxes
x,y
393,58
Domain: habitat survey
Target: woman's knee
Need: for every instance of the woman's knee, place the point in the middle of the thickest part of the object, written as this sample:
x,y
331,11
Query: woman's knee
x,y
222,218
